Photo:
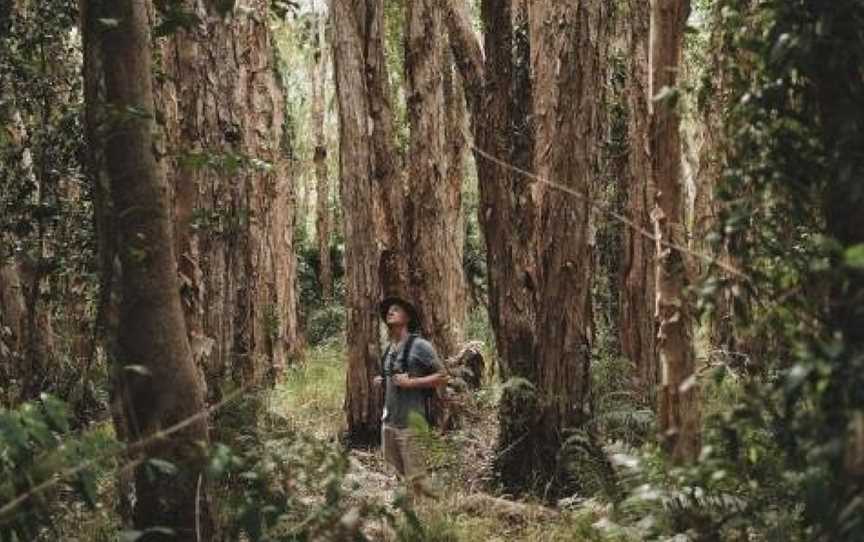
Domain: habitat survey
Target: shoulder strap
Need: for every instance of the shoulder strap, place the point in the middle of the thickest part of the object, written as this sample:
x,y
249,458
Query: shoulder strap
x,y
384,359
406,352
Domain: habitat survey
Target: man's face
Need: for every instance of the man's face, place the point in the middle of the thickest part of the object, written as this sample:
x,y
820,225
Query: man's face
x,y
397,316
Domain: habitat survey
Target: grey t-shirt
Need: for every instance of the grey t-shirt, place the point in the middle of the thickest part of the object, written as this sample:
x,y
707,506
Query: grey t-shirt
x,y
400,402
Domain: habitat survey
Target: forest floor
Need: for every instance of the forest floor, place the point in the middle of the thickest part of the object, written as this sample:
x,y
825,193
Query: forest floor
x,y
470,507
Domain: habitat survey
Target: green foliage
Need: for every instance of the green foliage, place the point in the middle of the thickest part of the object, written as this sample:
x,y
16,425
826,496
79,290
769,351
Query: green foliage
x,y
620,411
791,194
287,487
42,460
46,225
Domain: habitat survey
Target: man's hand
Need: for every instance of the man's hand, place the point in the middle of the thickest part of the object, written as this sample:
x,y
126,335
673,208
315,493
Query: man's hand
x,y
402,380
378,381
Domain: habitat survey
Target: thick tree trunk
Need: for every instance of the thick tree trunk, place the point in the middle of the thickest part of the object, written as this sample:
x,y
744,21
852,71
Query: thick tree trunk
x,y
433,202
107,318
323,222
636,327
233,197
567,39
151,330
498,93
678,408
352,40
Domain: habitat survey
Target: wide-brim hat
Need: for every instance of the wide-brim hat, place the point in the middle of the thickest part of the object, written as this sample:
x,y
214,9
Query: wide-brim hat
x,y
413,314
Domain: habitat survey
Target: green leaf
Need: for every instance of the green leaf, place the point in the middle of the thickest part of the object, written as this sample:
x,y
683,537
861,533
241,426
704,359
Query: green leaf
x,y
667,95
854,256
137,369
165,467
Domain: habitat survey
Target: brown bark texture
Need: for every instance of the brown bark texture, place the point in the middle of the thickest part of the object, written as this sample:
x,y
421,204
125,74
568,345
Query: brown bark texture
x,y
678,408
567,42
354,38
323,216
433,205
637,327
233,195
498,93
165,389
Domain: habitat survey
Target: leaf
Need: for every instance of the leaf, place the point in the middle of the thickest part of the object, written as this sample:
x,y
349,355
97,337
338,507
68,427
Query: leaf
x,y
854,256
667,95
165,467
138,369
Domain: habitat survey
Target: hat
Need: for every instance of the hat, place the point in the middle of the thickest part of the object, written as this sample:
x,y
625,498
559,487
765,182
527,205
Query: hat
x,y
413,315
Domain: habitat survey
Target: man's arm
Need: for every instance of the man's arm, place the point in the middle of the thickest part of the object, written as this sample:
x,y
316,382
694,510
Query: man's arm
x,y
435,380
425,357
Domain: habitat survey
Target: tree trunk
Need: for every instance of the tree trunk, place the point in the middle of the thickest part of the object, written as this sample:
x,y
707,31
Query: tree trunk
x,y
233,197
151,330
678,408
498,92
354,37
323,220
838,87
637,329
567,41
433,205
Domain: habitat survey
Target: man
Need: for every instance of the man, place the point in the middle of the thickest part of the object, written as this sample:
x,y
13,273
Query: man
x,y
411,369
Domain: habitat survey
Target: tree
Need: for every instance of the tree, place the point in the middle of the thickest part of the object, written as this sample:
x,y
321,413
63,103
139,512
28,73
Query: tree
x,y
164,388
636,327
356,28
678,408
323,220
498,92
233,194
568,45
433,203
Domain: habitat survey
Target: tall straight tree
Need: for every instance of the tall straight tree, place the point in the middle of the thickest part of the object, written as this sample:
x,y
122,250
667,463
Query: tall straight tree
x,y
365,170
432,237
232,193
151,331
323,217
678,408
568,41
497,89
638,338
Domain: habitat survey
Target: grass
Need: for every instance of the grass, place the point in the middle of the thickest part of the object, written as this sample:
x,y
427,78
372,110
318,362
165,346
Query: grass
x,y
311,398
311,395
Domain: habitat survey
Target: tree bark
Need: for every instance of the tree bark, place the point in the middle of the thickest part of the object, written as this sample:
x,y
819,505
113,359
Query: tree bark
x,y
232,193
678,408
323,221
637,299
353,39
433,205
151,330
567,41
498,91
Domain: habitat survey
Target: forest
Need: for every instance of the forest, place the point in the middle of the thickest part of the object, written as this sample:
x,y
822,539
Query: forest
x,y
632,232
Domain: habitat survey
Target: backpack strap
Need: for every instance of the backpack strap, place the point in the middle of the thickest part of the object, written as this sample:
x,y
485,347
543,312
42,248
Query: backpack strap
x,y
406,351
384,360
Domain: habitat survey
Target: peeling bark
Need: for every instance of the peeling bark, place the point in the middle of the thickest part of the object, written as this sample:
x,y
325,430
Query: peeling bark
x,y
433,202
353,39
323,219
637,299
233,195
678,408
567,44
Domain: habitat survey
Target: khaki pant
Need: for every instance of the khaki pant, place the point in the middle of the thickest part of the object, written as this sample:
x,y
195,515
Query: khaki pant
x,y
403,452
